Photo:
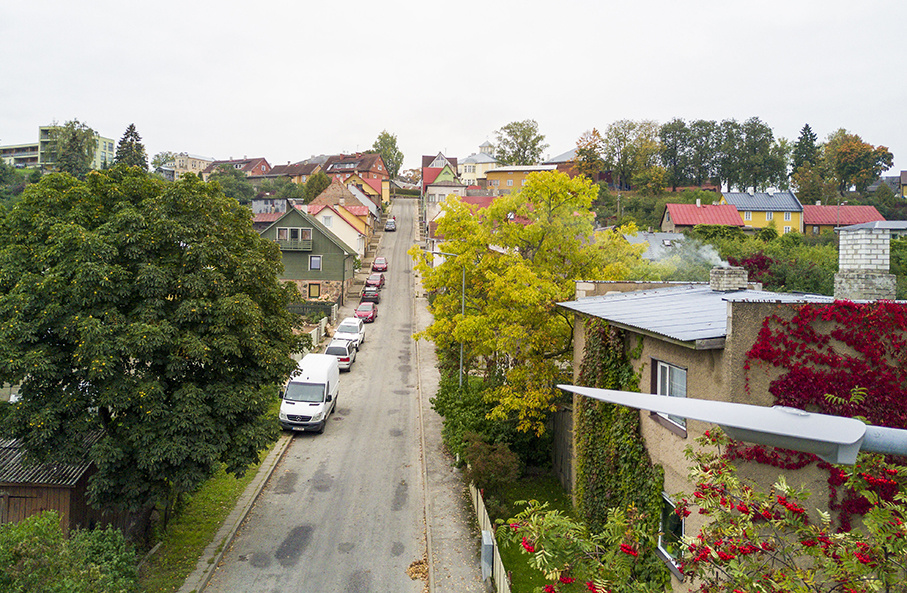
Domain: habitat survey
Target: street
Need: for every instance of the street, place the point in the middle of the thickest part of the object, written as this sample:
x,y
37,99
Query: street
x,y
344,511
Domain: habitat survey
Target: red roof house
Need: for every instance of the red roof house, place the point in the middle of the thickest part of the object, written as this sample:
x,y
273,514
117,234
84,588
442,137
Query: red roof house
x,y
818,219
682,217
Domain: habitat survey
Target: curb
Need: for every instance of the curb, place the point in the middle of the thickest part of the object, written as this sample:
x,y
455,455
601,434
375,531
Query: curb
x,y
214,553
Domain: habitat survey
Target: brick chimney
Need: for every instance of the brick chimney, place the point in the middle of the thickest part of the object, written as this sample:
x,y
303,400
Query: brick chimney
x,y
863,266
728,279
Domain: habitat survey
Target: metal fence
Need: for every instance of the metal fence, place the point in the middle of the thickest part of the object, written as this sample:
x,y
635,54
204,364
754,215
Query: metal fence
x,y
498,572
316,309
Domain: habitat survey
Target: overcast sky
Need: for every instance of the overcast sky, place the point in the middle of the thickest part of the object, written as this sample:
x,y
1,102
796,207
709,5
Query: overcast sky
x,y
288,79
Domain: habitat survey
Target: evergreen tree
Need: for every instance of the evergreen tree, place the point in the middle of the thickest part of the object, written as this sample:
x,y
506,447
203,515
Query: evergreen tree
x,y
131,151
805,150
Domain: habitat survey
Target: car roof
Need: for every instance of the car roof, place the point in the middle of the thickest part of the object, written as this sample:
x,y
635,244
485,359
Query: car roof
x,y
355,320
339,343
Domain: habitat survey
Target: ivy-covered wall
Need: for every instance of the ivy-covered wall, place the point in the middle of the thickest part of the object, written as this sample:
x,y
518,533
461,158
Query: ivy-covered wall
x,y
613,469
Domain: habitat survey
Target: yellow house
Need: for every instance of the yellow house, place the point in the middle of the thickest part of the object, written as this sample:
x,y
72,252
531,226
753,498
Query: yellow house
x,y
504,180
759,210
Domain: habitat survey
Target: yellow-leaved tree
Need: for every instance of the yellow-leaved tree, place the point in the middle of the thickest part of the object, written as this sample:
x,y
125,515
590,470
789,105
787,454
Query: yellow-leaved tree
x,y
520,256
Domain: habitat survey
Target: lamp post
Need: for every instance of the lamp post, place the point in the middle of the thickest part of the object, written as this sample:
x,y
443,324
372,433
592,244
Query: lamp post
x,y
834,439
462,304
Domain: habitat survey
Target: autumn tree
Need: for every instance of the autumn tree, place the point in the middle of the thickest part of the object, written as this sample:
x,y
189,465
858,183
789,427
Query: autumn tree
x,y
148,319
519,143
72,147
386,146
131,151
521,255
588,160
860,163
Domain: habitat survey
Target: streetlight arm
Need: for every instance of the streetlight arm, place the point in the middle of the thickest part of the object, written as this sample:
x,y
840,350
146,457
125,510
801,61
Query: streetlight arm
x,y
833,438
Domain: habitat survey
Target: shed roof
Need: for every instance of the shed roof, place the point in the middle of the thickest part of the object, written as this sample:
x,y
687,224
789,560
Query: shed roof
x,y
840,215
688,313
14,471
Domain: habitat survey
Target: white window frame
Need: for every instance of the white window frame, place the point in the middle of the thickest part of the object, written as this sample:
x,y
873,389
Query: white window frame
x,y
328,221
787,216
313,259
769,215
747,215
671,381
665,547
786,230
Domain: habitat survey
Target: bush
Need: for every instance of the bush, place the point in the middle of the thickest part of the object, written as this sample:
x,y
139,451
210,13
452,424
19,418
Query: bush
x,y
490,466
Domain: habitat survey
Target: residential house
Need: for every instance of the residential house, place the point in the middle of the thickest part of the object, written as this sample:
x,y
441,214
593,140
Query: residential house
x,y
250,167
366,201
683,217
41,153
818,219
263,220
340,193
903,184
473,168
504,180
269,203
892,181
694,341
367,165
184,162
314,258
350,229
759,210
297,173
370,186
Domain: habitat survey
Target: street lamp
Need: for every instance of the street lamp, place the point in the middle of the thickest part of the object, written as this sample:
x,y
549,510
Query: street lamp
x,y
462,305
834,439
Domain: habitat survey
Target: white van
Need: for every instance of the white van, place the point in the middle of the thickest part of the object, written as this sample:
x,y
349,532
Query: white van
x,y
311,394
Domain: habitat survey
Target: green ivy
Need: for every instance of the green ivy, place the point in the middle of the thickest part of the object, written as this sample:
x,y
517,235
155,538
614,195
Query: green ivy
x,y
613,468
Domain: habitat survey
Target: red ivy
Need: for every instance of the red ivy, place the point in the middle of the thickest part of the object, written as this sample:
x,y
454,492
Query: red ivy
x,y
831,350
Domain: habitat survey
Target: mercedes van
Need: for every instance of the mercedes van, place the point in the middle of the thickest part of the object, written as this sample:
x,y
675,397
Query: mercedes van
x,y
311,394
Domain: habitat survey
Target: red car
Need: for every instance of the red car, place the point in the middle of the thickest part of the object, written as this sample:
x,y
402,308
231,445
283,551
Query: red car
x,y
379,265
367,312
375,280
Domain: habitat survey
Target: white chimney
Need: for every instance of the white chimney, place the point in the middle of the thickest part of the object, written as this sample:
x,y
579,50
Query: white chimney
x,y
728,279
698,203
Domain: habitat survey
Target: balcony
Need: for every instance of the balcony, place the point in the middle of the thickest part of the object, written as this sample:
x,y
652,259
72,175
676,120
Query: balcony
x,y
295,245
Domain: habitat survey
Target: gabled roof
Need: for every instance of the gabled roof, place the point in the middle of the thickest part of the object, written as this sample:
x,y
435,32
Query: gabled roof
x,y
341,212
326,232
266,217
294,170
480,202
374,183
248,166
840,215
781,201
427,160
564,157
478,159
357,210
333,193
429,174
686,313
691,214
891,225
353,163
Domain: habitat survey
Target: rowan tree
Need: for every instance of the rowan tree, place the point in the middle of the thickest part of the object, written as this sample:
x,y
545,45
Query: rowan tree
x,y
146,318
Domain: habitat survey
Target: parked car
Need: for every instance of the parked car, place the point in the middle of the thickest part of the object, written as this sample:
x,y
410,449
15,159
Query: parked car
x,y
352,330
344,351
376,279
371,294
367,312
379,265
390,225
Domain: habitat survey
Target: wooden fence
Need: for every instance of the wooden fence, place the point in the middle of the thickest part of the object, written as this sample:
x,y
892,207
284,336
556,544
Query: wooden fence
x,y
498,572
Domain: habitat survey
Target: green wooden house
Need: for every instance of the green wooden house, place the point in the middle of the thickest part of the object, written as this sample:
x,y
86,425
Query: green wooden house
x,y
314,258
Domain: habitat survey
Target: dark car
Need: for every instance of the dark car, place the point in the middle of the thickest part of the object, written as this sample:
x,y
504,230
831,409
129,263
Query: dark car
x,y
379,265
376,280
371,294
390,225
367,312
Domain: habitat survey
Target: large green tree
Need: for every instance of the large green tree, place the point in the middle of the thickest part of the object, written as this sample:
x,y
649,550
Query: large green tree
x,y
519,143
233,183
72,147
131,151
704,141
675,151
316,184
146,318
386,145
520,256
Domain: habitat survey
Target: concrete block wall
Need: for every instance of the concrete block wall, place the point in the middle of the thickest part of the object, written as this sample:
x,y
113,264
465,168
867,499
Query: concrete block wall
x,y
725,279
864,250
865,286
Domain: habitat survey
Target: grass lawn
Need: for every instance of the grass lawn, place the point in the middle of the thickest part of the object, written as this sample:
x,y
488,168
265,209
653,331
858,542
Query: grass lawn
x,y
524,578
191,530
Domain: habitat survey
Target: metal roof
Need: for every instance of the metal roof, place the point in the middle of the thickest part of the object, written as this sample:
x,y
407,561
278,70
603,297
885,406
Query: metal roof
x,y
13,471
780,201
688,313
891,225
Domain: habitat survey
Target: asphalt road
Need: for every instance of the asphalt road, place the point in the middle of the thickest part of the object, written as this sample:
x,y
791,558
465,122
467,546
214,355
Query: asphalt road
x,y
344,510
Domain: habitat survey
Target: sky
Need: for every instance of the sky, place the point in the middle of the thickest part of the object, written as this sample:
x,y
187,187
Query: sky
x,y
286,80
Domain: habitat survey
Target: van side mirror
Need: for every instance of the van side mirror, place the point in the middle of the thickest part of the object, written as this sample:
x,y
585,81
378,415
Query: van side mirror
x,y
328,398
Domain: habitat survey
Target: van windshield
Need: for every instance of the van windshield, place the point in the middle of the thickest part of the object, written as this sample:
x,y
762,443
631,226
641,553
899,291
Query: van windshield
x,y
348,329
305,392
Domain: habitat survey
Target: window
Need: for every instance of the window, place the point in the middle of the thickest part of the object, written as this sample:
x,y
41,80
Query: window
x,y
328,221
787,216
768,215
314,262
787,229
510,183
747,215
314,291
670,540
815,230
672,381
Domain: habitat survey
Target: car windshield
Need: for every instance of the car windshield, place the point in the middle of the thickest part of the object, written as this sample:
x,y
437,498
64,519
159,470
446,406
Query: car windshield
x,y
305,392
337,351
365,307
345,328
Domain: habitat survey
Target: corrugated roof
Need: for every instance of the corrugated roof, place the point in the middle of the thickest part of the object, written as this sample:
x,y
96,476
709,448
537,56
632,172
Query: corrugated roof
x,y
891,225
840,215
691,214
523,169
12,470
684,313
779,201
